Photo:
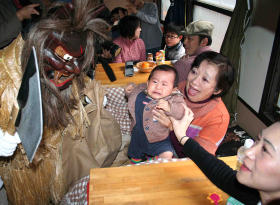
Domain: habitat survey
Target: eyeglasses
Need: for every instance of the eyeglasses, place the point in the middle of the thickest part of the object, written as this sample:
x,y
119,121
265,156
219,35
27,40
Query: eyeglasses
x,y
170,36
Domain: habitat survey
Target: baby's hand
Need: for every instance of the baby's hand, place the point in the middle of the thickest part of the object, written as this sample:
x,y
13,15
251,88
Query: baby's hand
x,y
128,89
164,105
106,54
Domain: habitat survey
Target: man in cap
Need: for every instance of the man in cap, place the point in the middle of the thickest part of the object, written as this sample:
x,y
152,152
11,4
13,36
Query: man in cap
x,y
197,40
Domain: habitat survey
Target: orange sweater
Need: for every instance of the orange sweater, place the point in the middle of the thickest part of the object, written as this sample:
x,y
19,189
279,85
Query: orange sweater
x,y
208,130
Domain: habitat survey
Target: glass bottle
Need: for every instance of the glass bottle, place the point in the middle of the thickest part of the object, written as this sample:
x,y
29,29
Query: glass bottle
x,y
241,152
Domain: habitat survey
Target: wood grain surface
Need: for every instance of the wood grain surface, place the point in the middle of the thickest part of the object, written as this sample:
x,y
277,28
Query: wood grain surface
x,y
122,80
176,183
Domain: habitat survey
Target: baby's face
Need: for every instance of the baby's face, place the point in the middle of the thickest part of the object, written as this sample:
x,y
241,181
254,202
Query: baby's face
x,y
161,84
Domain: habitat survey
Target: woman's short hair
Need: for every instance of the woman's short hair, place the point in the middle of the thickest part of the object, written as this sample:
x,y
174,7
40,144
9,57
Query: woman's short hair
x,y
225,77
128,26
166,68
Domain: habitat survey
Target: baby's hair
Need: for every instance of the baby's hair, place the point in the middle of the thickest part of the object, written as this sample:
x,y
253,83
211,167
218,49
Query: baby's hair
x,y
166,68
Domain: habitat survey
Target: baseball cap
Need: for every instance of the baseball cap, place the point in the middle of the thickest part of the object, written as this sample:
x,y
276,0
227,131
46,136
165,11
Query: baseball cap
x,y
199,28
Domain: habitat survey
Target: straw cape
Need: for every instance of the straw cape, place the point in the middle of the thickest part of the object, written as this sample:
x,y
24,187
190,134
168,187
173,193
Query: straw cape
x,y
76,137
65,155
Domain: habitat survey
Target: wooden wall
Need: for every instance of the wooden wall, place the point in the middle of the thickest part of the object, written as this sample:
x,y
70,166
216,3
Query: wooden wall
x,y
248,120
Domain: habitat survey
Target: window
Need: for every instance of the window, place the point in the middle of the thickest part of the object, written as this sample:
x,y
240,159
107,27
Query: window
x,y
270,103
219,13
223,4
164,8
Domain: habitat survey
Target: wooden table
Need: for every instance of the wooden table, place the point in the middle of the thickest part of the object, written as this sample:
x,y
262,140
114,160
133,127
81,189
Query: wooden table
x,y
177,183
122,80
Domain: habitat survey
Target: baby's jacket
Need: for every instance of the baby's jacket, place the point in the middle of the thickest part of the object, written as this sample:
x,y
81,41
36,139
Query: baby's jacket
x,y
153,129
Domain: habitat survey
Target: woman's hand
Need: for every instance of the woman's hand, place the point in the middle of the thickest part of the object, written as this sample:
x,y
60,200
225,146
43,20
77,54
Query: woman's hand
x,y
106,54
160,116
27,11
180,126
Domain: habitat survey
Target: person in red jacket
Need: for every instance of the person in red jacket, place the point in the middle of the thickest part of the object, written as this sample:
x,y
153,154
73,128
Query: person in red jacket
x,y
210,77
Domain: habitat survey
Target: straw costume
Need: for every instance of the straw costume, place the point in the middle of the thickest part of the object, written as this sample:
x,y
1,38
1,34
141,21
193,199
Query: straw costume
x,y
76,135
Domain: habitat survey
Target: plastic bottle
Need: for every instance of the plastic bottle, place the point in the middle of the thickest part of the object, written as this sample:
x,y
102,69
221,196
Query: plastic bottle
x,y
241,152
150,57
163,55
233,201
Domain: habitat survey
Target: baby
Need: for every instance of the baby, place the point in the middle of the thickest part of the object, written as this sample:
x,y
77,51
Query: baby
x,y
148,137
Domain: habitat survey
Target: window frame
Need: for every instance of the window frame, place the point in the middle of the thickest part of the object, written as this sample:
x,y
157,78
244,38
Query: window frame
x,y
268,111
213,8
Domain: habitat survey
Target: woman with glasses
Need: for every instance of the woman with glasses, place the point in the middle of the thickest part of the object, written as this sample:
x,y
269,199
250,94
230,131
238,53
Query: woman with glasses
x,y
174,48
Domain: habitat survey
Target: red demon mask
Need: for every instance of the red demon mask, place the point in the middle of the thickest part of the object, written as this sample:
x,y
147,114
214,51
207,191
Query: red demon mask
x,y
63,57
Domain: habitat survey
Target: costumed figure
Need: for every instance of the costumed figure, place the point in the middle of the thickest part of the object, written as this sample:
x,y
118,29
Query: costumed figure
x,y
78,133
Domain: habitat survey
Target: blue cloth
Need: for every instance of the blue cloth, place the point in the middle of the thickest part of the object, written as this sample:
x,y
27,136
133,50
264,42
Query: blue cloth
x,y
140,147
151,29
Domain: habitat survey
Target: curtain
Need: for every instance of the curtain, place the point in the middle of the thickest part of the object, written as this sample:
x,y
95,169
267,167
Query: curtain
x,y
180,12
231,47
188,11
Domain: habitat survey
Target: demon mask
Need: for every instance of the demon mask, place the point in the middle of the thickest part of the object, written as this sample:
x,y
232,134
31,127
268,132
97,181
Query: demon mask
x,y
63,57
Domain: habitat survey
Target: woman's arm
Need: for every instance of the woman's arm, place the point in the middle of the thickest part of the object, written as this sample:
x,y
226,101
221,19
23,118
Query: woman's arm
x,y
216,170
220,173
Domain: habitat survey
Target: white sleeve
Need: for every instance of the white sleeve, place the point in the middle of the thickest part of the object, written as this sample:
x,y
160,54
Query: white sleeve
x,y
8,143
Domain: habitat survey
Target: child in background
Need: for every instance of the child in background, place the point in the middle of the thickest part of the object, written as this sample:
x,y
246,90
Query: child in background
x,y
117,14
148,137
174,48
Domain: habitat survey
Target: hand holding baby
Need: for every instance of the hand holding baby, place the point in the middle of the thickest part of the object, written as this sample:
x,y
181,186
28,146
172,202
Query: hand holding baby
x,y
163,105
